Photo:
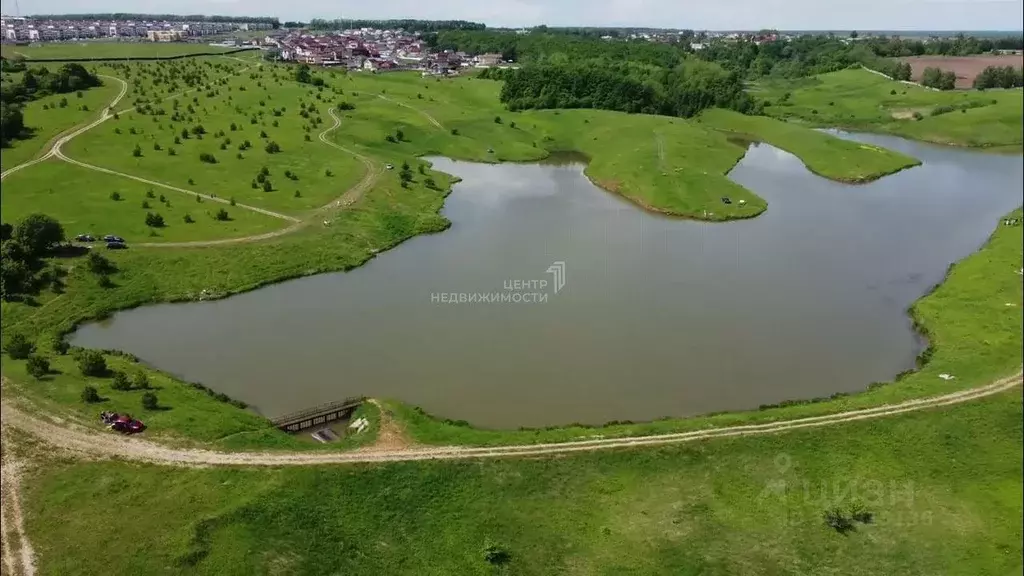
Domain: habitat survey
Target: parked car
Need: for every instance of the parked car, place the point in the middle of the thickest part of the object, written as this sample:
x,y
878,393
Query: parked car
x,y
116,245
110,238
122,423
84,238
725,200
389,166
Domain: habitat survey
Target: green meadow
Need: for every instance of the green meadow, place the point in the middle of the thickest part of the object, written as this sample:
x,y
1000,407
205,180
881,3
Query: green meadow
x,y
860,100
939,490
107,49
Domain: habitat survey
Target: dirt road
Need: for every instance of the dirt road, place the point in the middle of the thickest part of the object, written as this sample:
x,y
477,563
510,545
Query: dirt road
x,y
85,441
429,118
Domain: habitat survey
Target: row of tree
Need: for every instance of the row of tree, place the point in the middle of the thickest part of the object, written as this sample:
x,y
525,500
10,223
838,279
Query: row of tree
x,y
408,25
684,90
1000,77
36,83
937,78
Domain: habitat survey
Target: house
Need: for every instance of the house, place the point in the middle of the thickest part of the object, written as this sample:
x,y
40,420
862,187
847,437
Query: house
x,y
488,60
163,35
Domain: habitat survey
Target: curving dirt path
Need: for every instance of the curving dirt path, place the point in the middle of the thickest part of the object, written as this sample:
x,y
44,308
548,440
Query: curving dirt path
x,y
373,172
18,556
54,143
88,442
430,118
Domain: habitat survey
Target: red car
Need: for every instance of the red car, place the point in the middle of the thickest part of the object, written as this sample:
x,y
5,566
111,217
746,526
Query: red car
x,y
122,423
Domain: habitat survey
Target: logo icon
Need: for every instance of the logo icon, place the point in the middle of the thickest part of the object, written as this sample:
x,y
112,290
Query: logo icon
x,y
557,271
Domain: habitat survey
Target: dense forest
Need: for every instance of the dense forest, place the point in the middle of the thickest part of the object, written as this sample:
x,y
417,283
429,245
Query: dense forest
x,y
800,56
122,16
36,83
683,90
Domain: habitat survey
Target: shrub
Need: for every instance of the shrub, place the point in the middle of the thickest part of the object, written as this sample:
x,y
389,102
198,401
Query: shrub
x,y
150,401
495,554
120,382
263,133
308,139
232,200
918,116
837,520
99,264
140,380
191,182
892,92
117,130
90,395
222,215
429,182
19,347
455,131
150,193
37,367
208,158
115,196
92,362
297,194
156,146
390,138
154,220
399,135
272,147
328,173
59,345
105,282
497,119
145,205
188,219
137,151
511,124
267,186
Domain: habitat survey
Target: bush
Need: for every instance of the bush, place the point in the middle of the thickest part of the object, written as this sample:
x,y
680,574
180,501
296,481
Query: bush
x,y
272,147
267,186
429,182
115,196
455,131
222,215
154,220
232,200
188,219
99,264
208,158
297,194
837,520
918,116
150,193
328,173
19,347
171,152
495,554
140,380
137,151
105,282
37,367
145,205
59,345
390,138
399,135
511,124
120,382
150,401
92,362
90,395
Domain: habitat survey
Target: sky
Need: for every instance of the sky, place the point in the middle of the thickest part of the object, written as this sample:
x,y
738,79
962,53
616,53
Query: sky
x,y
693,14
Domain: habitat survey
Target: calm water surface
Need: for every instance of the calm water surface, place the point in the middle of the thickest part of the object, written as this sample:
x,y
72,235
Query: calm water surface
x,y
657,316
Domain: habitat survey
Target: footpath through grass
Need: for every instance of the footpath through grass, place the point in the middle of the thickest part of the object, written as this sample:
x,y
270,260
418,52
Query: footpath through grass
x,y
861,100
940,491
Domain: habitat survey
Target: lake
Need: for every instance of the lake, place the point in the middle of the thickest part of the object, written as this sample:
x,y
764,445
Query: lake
x,y
653,316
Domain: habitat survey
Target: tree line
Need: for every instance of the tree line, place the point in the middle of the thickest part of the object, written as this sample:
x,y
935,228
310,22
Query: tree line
x,y
36,83
407,24
803,55
124,16
683,90
937,78
22,249
1000,77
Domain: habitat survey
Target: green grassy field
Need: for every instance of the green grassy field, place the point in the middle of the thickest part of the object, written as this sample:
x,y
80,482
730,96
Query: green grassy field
x,y
666,164
860,100
106,49
47,123
943,489
82,200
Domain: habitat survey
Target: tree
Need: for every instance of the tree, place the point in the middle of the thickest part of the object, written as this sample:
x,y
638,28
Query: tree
x,y
59,345
37,367
120,381
399,135
154,220
267,186
150,401
90,395
19,347
272,147
188,219
208,158
92,363
140,380
99,264
37,233
429,182
497,119
222,215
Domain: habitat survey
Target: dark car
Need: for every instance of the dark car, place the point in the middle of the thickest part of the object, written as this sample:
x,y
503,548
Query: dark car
x,y
110,238
116,245
84,238
725,200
